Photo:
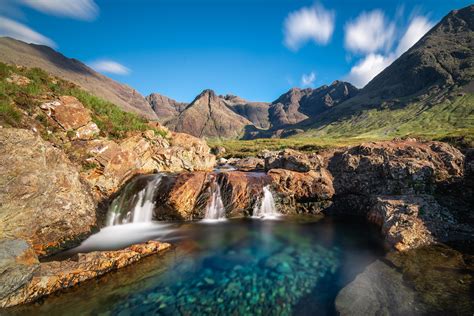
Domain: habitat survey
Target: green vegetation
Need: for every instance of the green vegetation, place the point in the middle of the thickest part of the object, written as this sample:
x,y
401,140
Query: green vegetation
x,y
449,120
112,121
245,148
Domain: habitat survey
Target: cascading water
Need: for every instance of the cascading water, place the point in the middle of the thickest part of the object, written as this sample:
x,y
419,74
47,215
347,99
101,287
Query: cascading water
x,y
265,207
132,206
215,208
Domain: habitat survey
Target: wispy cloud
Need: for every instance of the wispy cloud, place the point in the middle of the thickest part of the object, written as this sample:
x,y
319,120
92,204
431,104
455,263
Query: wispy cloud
x,y
109,66
22,32
77,9
418,27
307,80
373,63
369,33
308,24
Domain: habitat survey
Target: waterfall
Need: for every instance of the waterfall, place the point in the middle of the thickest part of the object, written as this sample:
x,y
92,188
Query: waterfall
x,y
265,206
132,206
215,207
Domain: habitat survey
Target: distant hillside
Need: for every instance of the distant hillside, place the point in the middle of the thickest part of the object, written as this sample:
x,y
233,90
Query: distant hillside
x,y
209,116
255,112
426,91
298,105
165,108
30,55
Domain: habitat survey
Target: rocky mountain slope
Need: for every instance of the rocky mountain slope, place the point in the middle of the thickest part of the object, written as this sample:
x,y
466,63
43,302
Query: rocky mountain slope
x,y
255,112
429,89
164,107
297,105
30,55
209,115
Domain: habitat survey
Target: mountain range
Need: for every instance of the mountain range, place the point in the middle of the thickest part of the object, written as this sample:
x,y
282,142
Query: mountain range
x,y
429,88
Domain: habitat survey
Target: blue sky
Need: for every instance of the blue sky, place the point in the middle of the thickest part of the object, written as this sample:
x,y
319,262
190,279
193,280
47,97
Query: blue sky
x,y
254,49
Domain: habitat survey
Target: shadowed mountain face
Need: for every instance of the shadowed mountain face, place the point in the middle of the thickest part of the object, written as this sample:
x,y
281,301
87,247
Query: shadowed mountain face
x,y
444,57
30,55
165,108
209,116
255,112
300,104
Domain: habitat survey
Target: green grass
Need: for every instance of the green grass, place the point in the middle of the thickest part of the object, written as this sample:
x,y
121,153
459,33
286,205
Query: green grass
x,y
112,121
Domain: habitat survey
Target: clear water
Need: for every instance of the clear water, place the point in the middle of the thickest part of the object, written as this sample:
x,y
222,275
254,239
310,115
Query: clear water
x,y
246,266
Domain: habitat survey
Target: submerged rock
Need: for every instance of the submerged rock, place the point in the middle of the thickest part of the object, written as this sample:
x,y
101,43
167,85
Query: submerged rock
x,y
379,290
56,275
43,200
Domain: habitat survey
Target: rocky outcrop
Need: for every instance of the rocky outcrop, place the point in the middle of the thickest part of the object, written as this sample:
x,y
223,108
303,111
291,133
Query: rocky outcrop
x,y
248,164
43,198
292,160
396,167
393,185
53,276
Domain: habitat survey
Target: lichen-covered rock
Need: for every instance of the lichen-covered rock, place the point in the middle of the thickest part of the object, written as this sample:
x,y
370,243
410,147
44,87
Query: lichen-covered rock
x,y
68,112
56,275
395,167
43,200
18,262
113,162
292,160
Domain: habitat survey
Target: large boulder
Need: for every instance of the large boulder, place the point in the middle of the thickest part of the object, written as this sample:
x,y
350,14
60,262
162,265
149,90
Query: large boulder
x,y
43,200
292,160
303,192
177,196
240,191
68,112
18,262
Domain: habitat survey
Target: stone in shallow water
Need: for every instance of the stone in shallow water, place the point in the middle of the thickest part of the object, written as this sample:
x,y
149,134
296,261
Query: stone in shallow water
x,y
379,290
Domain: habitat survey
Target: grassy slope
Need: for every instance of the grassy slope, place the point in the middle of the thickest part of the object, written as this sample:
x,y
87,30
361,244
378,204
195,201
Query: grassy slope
x,y
19,104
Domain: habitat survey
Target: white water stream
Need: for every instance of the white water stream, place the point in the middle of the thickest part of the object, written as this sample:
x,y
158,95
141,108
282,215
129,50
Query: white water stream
x,y
265,207
215,210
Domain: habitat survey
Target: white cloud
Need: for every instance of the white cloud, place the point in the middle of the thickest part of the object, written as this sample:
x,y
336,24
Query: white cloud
x,y
22,32
308,79
418,27
110,66
373,63
309,23
369,33
76,9
368,68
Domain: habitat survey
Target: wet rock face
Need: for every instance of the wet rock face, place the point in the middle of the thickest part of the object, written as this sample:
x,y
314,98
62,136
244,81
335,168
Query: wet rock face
x,y
177,196
52,276
18,262
240,190
43,199
308,192
397,167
